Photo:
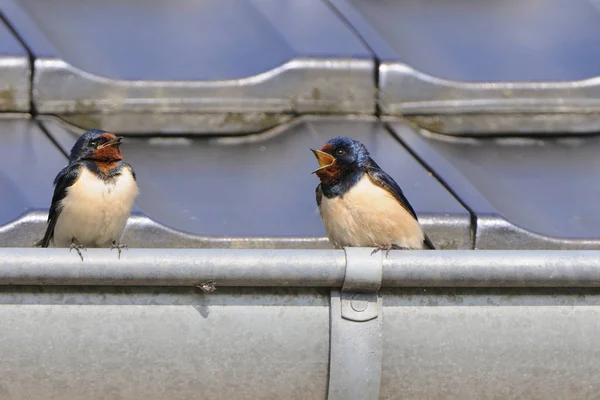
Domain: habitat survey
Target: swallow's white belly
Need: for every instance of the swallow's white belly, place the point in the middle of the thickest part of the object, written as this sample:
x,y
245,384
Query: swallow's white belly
x,y
369,216
95,212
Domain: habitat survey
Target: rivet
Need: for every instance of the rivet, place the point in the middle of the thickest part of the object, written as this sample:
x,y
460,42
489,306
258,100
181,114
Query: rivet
x,y
359,302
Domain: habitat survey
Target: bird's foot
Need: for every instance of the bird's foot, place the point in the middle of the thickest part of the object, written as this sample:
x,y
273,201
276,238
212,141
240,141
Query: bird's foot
x,y
119,247
387,248
77,247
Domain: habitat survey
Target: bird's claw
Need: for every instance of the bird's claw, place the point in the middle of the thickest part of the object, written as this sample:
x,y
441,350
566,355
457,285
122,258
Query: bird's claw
x,y
387,248
119,248
78,248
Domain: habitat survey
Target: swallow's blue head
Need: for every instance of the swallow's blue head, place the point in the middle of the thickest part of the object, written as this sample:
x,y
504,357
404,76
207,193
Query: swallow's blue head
x,y
97,145
339,157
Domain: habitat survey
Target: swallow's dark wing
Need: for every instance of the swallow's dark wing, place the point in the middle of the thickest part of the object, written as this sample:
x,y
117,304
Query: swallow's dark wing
x,y
379,177
65,179
427,243
319,194
125,165
385,181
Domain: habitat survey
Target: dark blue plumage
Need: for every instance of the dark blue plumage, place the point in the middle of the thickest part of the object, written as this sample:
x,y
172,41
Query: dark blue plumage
x,y
353,164
65,178
85,145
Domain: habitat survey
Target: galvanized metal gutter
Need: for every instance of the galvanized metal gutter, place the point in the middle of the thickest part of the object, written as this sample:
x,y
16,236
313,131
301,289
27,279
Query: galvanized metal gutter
x,y
172,267
303,268
363,321
493,268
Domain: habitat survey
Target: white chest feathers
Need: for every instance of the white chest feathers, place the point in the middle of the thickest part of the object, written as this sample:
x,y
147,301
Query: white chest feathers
x,y
94,211
369,216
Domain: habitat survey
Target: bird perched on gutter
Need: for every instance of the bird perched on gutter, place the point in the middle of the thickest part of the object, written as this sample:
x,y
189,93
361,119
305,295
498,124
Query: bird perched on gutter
x,y
361,205
93,195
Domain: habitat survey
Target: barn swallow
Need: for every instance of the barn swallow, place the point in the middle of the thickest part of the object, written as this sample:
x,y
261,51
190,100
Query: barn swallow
x,y
93,195
361,205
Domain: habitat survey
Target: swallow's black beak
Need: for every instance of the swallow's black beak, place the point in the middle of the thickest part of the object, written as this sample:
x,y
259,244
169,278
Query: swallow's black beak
x,y
325,160
117,141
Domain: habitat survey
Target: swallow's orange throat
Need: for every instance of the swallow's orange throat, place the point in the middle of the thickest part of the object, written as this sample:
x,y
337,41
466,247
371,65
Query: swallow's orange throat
x,y
108,168
330,175
108,156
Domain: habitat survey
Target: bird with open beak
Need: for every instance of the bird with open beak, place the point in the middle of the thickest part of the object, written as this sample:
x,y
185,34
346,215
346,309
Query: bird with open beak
x,y
93,195
361,205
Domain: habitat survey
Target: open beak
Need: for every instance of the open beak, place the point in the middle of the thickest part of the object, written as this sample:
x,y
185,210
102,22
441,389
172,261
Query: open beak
x,y
117,141
325,160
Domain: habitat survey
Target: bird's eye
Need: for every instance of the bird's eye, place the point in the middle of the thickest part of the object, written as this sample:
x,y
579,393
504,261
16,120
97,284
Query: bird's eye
x,y
97,142
340,152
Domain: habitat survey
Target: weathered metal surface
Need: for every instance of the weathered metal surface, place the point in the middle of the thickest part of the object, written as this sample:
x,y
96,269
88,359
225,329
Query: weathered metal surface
x,y
464,68
424,342
525,193
15,70
356,314
158,343
214,66
492,344
143,232
317,268
492,268
172,267
355,355
363,270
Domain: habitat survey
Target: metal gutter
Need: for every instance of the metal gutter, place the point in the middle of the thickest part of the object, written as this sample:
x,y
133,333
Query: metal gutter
x,y
296,268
